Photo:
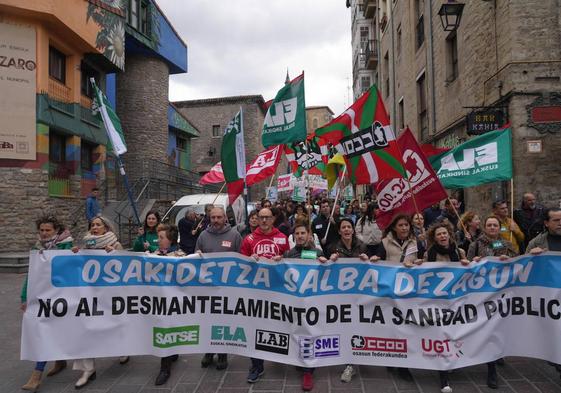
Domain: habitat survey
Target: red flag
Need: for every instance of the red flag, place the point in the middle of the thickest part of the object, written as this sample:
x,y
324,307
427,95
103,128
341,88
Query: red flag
x,y
235,189
264,165
215,175
431,150
394,195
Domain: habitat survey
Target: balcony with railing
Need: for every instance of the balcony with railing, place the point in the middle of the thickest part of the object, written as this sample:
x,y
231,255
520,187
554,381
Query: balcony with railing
x,y
370,54
86,111
369,8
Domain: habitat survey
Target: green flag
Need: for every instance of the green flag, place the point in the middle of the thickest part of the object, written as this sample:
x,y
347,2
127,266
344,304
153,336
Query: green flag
x,y
232,153
285,121
484,159
102,108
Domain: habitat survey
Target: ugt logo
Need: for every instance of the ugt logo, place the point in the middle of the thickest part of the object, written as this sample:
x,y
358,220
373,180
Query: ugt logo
x,y
441,348
269,341
319,347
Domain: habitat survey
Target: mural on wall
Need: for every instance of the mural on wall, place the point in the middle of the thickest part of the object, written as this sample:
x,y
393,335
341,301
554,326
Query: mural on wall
x,y
110,39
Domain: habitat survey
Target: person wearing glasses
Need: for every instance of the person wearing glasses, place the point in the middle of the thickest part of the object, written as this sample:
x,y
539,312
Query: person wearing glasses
x,y
266,242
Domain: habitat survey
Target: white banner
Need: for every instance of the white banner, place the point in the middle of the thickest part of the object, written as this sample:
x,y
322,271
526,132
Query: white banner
x,y
18,131
285,182
435,316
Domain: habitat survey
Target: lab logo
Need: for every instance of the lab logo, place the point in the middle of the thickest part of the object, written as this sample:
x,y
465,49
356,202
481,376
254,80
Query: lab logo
x,y
266,340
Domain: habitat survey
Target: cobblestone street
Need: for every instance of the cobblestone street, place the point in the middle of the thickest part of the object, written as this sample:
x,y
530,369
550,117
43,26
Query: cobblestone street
x,y
517,375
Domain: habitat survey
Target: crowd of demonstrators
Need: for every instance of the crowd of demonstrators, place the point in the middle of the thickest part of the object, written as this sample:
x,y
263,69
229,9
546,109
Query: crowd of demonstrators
x,y
286,229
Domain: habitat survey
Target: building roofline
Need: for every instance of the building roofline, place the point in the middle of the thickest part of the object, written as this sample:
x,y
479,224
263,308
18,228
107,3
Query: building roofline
x,y
321,107
170,24
258,99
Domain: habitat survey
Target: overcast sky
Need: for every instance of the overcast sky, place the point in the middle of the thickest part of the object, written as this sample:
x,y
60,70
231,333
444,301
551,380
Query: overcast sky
x,y
243,47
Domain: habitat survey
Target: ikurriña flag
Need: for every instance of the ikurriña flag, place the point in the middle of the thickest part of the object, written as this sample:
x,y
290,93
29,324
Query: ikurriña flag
x,y
394,195
365,138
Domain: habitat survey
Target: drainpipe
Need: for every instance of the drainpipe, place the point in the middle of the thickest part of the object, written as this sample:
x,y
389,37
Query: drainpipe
x,y
392,89
430,66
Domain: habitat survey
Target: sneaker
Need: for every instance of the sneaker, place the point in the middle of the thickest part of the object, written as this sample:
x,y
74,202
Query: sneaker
x,y
207,360
446,389
348,373
222,362
254,374
307,382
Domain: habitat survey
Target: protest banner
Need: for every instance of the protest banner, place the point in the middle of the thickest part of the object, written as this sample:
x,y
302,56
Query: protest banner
x,y
285,182
434,316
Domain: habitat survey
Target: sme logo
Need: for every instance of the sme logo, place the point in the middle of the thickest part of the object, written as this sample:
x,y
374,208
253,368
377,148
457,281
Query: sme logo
x,y
319,347
176,336
379,344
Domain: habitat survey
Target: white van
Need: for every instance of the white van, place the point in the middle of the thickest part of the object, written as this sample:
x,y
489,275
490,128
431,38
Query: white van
x,y
196,202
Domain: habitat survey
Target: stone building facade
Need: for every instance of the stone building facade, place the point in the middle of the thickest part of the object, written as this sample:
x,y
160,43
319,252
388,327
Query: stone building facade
x,y
505,56
211,116
317,116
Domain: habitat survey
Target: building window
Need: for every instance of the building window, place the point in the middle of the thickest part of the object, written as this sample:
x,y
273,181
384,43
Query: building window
x,y
144,20
400,115
387,74
181,143
422,107
216,131
420,27
364,83
451,57
87,73
57,148
57,65
86,156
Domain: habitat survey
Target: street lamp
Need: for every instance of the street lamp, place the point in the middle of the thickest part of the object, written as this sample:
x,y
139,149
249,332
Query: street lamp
x,y
450,15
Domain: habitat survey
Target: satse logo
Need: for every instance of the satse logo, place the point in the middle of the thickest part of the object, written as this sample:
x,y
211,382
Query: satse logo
x,y
319,347
275,342
478,156
284,113
175,336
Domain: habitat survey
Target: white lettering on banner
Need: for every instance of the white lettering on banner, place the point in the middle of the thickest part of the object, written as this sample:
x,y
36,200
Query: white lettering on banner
x,y
482,155
330,310
285,112
263,161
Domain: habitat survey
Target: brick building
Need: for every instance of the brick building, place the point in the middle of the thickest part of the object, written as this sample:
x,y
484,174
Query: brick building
x,y
317,116
504,57
211,116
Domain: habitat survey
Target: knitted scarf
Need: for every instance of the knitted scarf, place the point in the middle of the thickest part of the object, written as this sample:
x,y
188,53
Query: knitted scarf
x,y
63,237
99,242
451,251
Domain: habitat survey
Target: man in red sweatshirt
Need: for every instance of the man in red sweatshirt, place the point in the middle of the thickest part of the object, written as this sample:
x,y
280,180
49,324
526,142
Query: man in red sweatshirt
x,y
269,243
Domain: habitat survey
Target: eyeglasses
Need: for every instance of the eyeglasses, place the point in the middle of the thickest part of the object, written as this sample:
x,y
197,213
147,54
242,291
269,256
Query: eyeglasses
x,y
265,217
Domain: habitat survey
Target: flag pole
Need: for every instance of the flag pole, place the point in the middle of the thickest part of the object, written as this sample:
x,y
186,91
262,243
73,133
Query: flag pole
x,y
511,203
334,203
457,215
308,193
127,186
213,202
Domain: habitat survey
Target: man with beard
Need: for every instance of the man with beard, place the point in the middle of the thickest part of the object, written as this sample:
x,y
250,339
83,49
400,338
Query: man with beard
x,y
529,218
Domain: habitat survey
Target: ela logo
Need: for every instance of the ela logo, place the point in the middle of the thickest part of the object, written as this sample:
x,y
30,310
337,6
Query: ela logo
x,y
224,333
275,342
482,155
282,113
319,347
176,336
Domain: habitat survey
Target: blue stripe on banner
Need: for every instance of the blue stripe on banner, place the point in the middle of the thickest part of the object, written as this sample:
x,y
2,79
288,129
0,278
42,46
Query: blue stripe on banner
x,y
303,280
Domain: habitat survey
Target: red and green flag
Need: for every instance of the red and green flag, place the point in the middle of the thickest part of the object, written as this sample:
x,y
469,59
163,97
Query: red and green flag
x,y
363,135
311,155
